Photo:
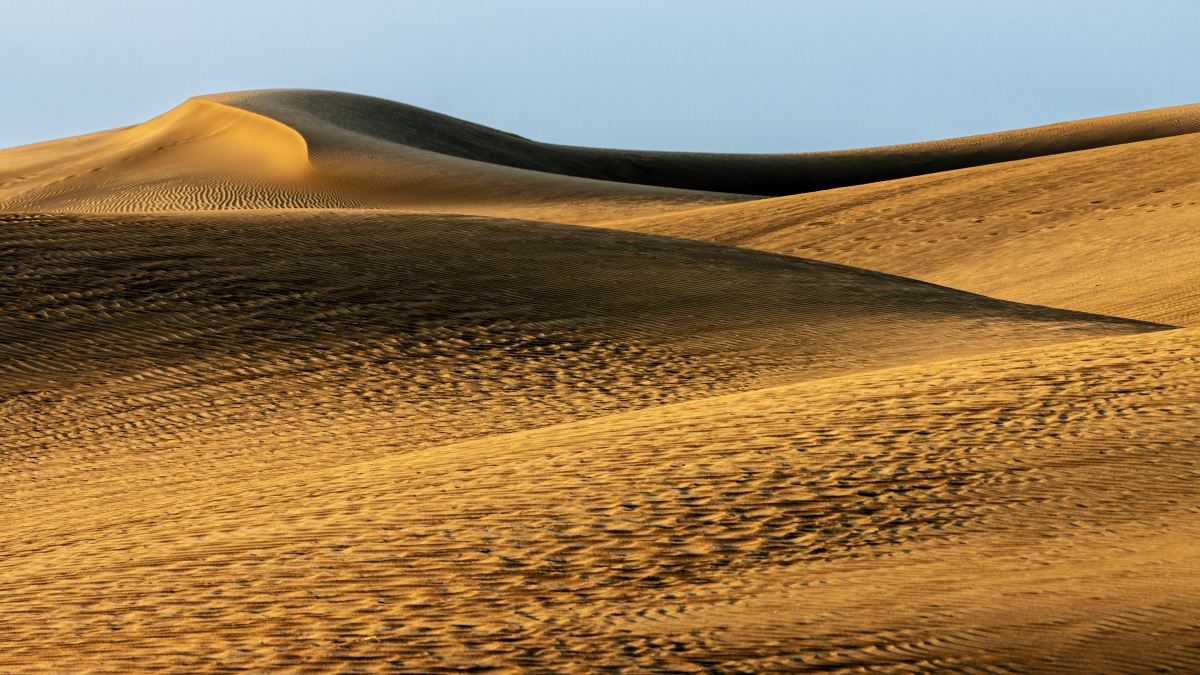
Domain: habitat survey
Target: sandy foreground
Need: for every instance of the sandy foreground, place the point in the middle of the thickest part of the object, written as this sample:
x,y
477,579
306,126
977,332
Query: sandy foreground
x,y
310,382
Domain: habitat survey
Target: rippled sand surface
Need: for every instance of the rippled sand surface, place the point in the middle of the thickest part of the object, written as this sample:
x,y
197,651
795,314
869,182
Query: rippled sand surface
x,y
310,382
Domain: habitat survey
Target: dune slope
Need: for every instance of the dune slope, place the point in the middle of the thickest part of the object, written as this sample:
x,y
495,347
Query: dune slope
x,y
1107,230
1029,511
424,321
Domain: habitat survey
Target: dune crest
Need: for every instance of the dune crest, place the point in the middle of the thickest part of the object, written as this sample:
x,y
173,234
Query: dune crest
x,y
313,112
209,155
313,149
230,137
198,155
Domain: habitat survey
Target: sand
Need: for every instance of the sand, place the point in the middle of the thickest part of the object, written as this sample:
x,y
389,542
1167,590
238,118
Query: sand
x,y
1106,230
309,382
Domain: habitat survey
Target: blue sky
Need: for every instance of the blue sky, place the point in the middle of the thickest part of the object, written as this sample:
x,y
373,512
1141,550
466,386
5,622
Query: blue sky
x,y
735,76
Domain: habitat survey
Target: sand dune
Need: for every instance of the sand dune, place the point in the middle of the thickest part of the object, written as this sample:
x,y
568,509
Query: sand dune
x,y
208,155
333,117
306,149
309,382
1106,230
995,507
440,317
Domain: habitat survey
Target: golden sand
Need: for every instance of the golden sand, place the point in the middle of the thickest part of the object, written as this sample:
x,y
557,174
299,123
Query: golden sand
x,y
308,382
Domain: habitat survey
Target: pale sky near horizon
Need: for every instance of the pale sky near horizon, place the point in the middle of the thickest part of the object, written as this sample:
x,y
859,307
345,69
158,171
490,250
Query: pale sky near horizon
x,y
744,76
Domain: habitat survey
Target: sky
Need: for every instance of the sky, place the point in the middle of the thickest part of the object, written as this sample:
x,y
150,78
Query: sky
x,y
728,76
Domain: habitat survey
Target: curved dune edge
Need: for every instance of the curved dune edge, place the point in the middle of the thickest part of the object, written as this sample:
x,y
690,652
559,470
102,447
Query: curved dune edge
x,y
199,155
258,144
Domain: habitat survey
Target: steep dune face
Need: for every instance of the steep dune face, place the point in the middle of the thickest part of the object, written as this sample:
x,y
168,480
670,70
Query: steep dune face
x,y
1107,230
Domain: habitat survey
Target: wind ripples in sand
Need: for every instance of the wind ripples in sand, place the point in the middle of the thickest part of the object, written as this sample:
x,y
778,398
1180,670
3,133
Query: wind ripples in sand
x,y
309,382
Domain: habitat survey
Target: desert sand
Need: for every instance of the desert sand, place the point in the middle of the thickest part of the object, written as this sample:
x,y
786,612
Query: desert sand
x,y
302,381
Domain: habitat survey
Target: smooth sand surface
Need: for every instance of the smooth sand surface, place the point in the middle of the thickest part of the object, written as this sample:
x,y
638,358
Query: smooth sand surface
x,y
310,382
